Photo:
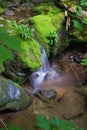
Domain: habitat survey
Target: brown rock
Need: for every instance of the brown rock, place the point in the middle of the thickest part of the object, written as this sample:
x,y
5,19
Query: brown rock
x,y
72,105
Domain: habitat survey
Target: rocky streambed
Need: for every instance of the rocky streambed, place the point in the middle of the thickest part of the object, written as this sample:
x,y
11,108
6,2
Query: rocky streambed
x,y
69,103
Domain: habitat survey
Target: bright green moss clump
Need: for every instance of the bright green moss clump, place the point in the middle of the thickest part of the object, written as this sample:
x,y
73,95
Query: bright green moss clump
x,y
49,20
43,25
31,54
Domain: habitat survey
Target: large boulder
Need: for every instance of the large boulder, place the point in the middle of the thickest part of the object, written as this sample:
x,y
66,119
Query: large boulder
x,y
12,96
26,53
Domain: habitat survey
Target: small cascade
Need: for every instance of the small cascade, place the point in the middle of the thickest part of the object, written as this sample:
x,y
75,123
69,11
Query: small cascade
x,y
45,63
44,73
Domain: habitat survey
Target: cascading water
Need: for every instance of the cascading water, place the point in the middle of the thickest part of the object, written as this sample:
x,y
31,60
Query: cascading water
x,y
45,63
45,72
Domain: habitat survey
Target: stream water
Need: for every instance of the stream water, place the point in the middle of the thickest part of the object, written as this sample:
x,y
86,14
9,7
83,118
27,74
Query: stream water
x,y
44,73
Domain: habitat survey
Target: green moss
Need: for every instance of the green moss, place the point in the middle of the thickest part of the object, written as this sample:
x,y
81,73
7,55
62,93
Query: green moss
x,y
79,35
48,19
31,54
44,24
46,8
2,68
1,10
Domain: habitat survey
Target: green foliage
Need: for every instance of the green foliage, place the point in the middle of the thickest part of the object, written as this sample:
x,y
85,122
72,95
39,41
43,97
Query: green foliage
x,y
23,30
78,20
52,38
7,45
11,127
56,124
77,24
84,62
83,2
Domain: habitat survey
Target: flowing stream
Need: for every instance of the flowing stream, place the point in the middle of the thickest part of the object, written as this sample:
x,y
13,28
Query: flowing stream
x,y
44,73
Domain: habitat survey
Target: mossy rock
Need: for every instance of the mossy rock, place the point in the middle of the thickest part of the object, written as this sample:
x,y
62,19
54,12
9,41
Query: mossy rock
x,y
50,18
24,62
29,53
77,31
12,96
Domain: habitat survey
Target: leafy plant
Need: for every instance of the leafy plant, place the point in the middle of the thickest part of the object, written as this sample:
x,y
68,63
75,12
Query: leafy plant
x,y
56,124
7,45
23,30
77,24
52,38
83,2
84,62
77,19
11,127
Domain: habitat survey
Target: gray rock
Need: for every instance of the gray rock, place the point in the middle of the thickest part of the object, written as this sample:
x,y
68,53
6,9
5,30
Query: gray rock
x,y
12,96
9,12
46,94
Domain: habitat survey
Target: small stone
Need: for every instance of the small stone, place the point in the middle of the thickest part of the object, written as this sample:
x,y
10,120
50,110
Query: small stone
x,y
9,12
48,93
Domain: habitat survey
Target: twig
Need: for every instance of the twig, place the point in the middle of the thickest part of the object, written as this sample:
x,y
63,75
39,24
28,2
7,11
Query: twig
x,y
4,124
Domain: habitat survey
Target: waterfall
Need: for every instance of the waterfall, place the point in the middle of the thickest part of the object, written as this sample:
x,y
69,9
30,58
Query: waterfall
x,y
45,72
45,63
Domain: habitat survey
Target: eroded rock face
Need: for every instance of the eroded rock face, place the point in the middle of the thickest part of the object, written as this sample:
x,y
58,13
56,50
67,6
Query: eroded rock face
x,y
12,96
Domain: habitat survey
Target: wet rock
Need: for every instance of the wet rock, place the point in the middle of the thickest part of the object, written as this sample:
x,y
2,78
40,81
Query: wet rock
x,y
72,105
46,94
52,74
12,96
16,70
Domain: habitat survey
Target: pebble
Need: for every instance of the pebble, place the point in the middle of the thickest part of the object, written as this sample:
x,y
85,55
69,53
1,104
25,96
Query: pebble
x,y
9,12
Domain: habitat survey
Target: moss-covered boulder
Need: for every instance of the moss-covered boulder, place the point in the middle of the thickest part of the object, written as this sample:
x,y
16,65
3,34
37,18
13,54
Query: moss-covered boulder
x,y
28,50
12,96
20,56
24,62
48,23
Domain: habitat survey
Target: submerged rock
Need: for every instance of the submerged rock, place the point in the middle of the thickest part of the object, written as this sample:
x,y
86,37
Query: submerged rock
x,y
12,96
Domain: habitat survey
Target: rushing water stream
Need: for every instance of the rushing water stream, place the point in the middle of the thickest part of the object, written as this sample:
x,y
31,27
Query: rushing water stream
x,y
45,72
